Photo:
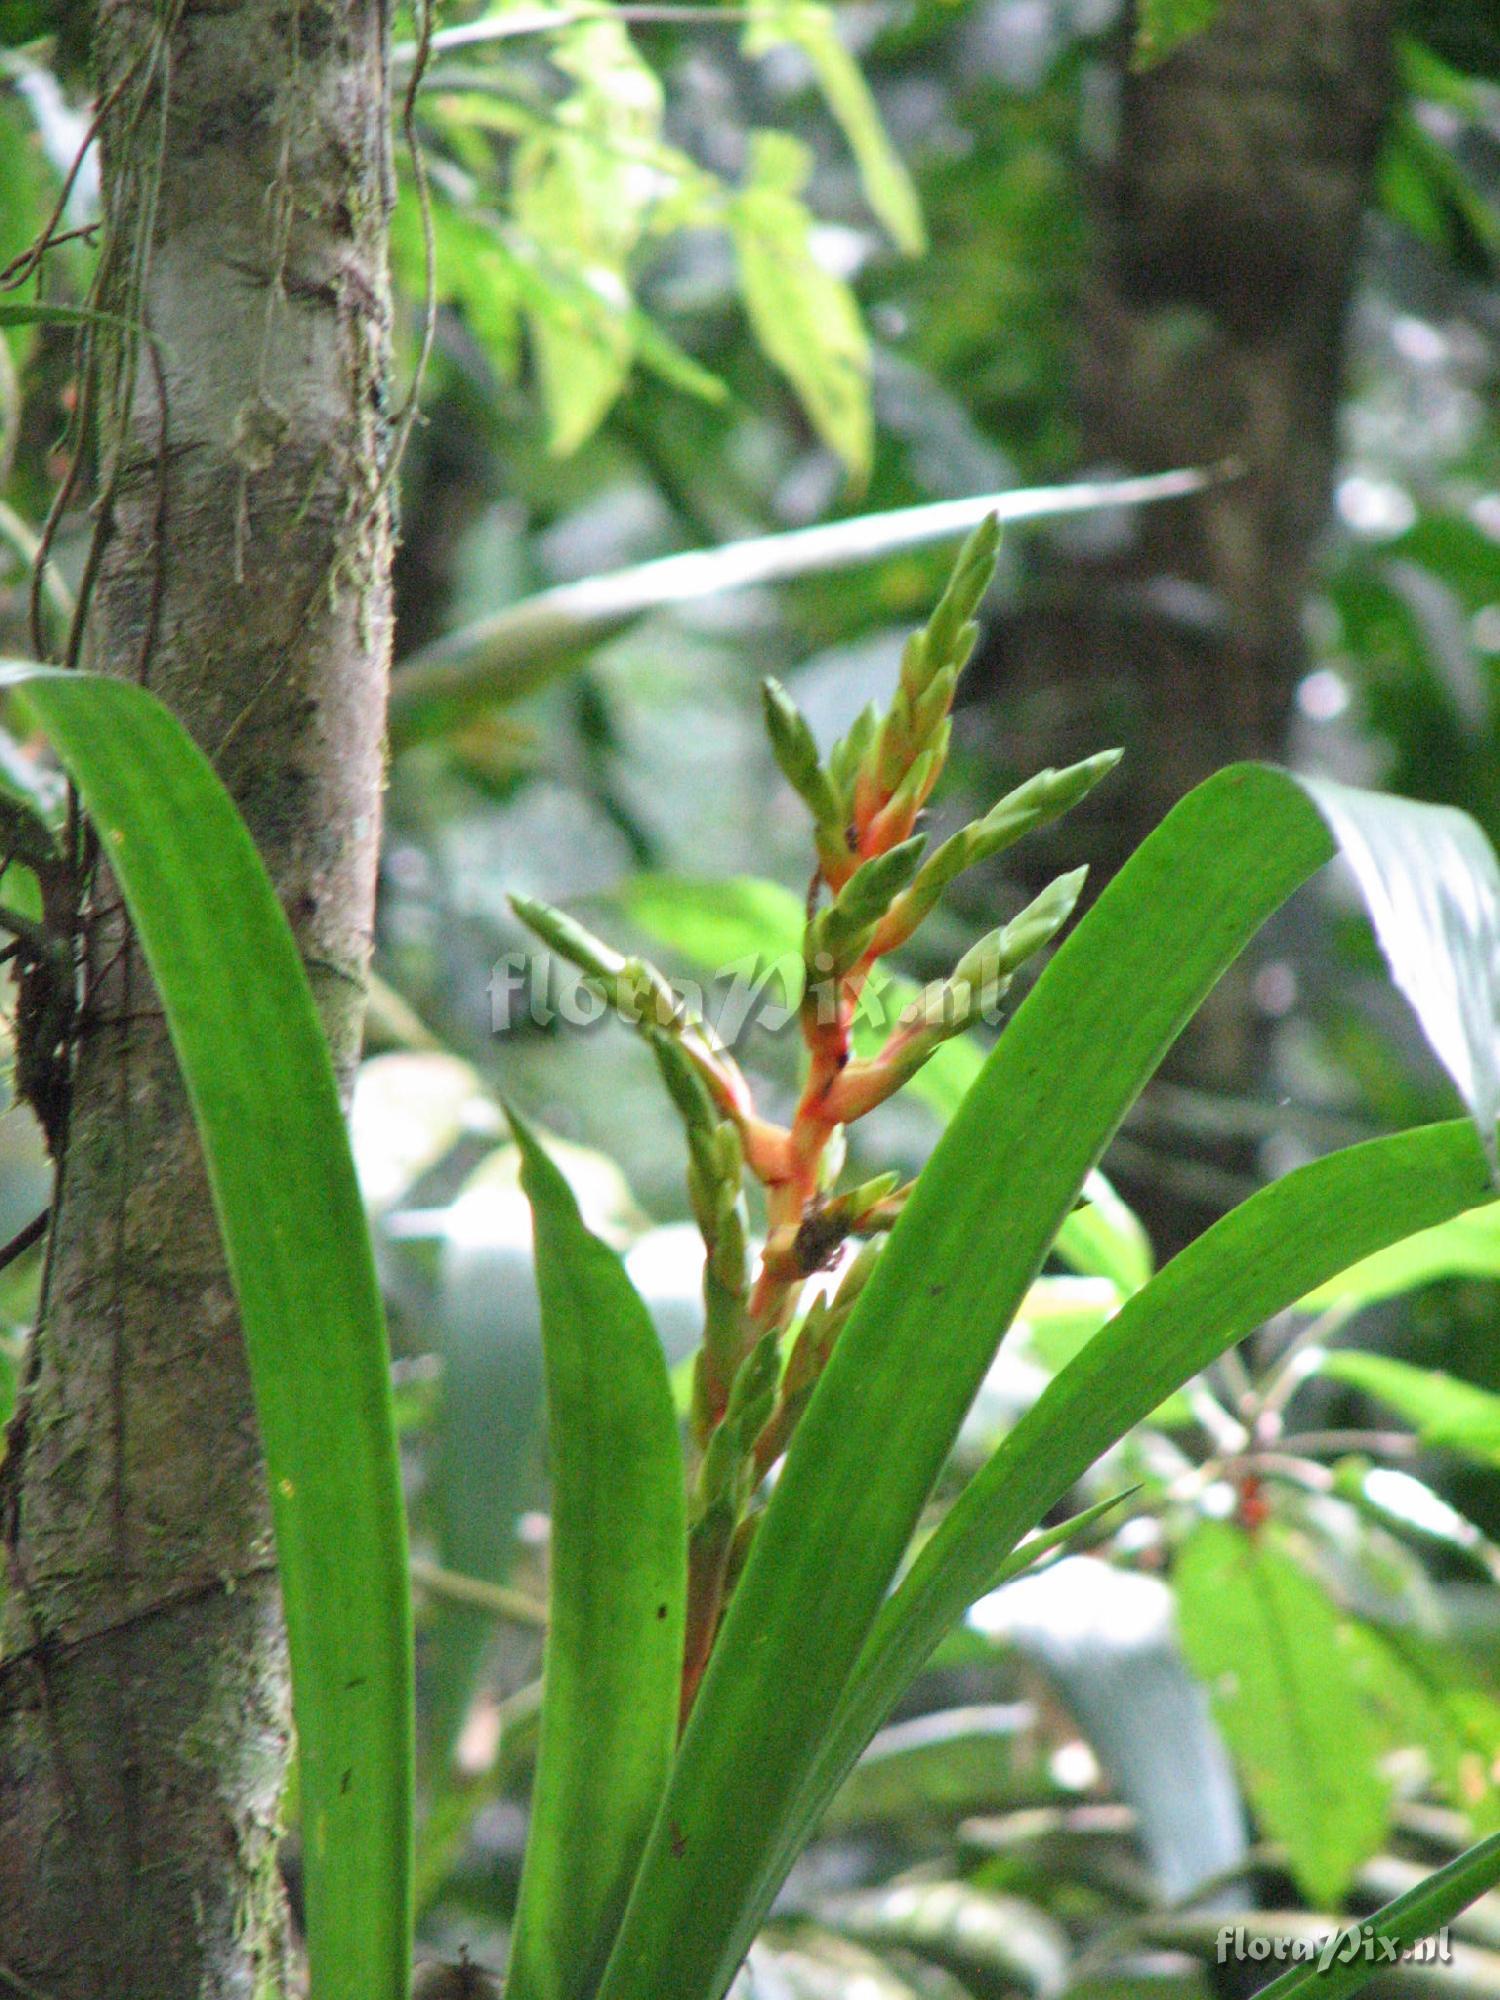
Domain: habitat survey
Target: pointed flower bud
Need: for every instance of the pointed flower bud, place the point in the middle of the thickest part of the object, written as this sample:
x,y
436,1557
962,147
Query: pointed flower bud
x,y
1040,800
797,755
836,938
947,1007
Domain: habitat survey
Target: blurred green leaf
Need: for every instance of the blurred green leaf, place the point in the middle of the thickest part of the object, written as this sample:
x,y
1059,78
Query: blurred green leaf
x,y
256,1065
1443,1410
1416,1915
1163,25
1104,1238
1466,1247
803,315
475,273
1424,1693
613,1659
814,30
581,189
1271,1649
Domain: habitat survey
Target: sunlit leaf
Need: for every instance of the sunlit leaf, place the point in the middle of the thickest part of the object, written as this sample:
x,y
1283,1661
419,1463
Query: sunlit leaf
x,y
582,188
1443,1410
1271,1649
804,316
813,29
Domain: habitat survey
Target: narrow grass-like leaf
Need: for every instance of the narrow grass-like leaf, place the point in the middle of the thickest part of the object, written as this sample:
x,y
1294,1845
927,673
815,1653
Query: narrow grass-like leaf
x,y
256,1067
983,1215
1405,1922
615,1632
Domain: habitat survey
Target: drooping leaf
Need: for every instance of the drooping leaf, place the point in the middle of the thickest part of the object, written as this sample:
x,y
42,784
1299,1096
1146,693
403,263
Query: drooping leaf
x,y
615,1618
1466,1247
504,656
1443,1410
813,29
803,315
1431,884
1271,1648
257,1071
581,187
1163,25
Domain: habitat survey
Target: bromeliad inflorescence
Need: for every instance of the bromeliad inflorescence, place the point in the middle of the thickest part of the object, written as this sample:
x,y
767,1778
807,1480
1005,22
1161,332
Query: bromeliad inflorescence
x,y
767,1335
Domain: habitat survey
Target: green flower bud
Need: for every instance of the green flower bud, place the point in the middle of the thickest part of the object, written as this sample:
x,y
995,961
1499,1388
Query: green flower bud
x,y
797,754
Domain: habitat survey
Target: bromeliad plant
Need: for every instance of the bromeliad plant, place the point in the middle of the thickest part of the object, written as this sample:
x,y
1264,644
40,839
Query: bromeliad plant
x,y
766,1340
716,1661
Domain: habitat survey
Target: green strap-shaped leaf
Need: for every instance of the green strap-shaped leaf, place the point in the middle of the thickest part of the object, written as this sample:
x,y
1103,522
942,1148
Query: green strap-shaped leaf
x,y
879,1428
978,1225
1248,1266
615,1628
257,1070
1352,1964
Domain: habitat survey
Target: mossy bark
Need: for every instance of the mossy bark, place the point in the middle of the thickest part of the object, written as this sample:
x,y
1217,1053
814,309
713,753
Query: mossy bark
x,y
243,575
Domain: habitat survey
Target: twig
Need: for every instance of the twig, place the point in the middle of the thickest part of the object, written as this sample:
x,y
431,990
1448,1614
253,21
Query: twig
x,y
24,1239
448,1584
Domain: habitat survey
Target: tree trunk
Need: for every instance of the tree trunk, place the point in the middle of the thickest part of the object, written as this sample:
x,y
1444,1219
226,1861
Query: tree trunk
x,y
243,575
1227,225
1227,219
